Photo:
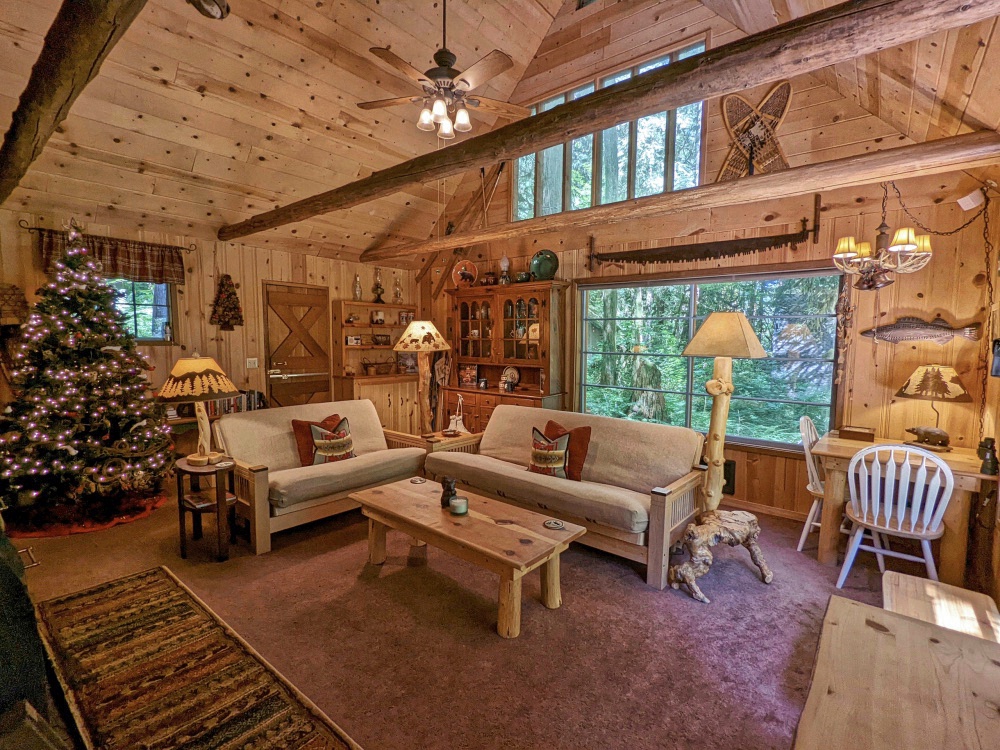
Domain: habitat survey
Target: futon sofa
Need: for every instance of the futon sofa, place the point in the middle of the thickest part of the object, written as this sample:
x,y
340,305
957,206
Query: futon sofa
x,y
276,492
640,483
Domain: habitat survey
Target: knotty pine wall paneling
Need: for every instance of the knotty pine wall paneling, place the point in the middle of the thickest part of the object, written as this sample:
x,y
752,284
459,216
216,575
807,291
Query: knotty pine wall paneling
x,y
248,265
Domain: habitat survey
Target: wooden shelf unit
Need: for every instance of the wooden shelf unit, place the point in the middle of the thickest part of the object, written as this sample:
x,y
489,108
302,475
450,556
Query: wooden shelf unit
x,y
496,327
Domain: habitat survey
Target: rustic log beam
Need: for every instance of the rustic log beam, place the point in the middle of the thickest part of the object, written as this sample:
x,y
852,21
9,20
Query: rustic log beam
x,y
843,32
80,38
932,157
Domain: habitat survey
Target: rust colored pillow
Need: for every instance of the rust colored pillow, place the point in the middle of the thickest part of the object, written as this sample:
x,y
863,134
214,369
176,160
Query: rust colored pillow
x,y
579,444
304,439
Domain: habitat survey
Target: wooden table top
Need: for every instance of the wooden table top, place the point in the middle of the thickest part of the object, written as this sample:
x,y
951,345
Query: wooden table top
x,y
504,533
962,461
225,464
886,681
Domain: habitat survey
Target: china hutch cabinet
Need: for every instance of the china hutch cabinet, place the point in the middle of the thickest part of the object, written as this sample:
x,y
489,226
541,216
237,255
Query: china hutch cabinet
x,y
515,328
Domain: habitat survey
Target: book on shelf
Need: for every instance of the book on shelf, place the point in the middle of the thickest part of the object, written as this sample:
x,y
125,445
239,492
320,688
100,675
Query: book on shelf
x,y
246,401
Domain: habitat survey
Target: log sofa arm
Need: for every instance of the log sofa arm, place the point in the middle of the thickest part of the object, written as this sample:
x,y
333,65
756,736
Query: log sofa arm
x,y
403,440
252,499
671,508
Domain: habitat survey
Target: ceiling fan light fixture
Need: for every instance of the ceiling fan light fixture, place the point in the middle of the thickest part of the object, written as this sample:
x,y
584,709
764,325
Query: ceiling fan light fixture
x,y
426,119
462,122
446,130
439,109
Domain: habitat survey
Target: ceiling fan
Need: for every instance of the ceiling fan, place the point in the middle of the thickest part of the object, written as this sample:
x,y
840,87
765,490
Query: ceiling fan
x,y
447,91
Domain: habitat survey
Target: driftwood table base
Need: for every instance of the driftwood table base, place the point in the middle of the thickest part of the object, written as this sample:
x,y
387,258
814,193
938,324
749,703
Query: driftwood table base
x,y
730,526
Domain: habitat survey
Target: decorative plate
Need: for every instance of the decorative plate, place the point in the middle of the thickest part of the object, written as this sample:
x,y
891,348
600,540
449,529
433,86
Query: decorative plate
x,y
511,375
464,273
544,265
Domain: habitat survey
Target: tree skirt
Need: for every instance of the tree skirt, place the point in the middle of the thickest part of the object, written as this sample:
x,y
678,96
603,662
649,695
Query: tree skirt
x,y
145,663
131,509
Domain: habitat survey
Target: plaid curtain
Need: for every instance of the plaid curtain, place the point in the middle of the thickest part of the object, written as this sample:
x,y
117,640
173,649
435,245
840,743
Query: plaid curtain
x,y
121,259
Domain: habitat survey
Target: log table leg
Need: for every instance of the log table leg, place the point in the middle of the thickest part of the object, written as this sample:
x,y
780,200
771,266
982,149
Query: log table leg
x,y
551,592
221,517
833,511
376,542
509,611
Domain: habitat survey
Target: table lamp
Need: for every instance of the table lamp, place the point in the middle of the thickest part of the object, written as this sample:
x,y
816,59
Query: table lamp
x,y
198,379
422,338
723,335
933,383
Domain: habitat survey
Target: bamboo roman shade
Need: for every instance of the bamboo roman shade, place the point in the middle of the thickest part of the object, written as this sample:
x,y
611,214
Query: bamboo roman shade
x,y
120,259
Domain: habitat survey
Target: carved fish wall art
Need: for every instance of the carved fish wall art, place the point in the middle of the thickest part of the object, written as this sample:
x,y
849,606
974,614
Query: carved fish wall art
x,y
911,328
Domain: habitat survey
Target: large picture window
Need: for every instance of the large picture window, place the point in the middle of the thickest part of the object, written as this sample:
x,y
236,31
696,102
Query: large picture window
x,y
146,307
632,366
647,156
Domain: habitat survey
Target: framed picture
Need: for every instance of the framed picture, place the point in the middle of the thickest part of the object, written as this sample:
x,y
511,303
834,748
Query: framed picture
x,y
468,375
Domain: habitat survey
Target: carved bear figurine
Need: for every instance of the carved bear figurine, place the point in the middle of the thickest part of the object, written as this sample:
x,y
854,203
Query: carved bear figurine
x,y
930,435
447,491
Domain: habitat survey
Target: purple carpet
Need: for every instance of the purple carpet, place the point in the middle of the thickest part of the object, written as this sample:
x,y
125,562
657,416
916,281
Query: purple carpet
x,y
407,656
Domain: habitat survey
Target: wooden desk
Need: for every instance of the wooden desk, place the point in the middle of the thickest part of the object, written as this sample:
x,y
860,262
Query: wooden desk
x,y
964,463
886,681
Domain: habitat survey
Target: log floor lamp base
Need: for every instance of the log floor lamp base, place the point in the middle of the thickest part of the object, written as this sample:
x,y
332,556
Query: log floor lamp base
x,y
733,527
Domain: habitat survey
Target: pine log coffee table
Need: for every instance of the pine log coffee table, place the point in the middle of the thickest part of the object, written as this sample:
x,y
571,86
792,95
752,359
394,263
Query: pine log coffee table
x,y
504,538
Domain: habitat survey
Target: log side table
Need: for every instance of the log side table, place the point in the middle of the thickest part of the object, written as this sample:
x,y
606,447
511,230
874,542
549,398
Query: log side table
x,y
221,501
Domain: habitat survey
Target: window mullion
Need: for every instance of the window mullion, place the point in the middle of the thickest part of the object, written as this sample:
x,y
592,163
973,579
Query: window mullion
x,y
669,154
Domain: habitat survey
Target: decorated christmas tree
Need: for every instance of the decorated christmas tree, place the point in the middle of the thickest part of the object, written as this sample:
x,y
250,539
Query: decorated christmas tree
x,y
83,435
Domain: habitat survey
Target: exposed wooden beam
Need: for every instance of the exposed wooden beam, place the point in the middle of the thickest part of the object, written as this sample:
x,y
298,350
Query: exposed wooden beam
x,y
80,38
932,157
844,32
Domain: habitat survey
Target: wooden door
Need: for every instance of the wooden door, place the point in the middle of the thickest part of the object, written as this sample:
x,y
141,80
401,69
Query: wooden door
x,y
297,335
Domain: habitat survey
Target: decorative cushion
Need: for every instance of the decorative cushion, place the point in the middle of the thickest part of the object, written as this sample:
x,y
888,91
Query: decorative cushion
x,y
304,439
579,442
332,445
549,457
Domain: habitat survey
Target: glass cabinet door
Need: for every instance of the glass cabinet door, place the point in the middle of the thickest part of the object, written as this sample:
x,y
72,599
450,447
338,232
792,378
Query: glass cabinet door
x,y
522,330
475,327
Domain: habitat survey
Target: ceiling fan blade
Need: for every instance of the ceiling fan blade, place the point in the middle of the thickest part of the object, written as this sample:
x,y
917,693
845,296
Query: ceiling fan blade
x,y
383,103
480,72
496,107
397,62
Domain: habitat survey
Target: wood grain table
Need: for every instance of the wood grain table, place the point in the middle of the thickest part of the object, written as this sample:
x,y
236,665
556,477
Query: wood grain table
x,y
503,538
836,454
884,681
220,501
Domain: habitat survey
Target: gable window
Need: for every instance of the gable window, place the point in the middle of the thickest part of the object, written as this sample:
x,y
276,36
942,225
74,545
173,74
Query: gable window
x,y
650,155
633,336
145,307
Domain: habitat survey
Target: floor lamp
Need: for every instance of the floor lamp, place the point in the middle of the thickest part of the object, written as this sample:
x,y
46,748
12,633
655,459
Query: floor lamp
x,y
725,336
198,379
422,338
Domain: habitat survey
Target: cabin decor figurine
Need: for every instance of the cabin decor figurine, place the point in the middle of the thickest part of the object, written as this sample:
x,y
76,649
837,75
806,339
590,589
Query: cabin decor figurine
x,y
447,491
730,526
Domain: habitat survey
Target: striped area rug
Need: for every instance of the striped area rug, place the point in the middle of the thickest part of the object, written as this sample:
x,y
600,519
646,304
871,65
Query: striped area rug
x,y
145,664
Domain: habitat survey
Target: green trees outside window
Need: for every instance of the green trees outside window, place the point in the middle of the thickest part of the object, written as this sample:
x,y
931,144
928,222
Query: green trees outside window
x,y
633,337
651,155
146,307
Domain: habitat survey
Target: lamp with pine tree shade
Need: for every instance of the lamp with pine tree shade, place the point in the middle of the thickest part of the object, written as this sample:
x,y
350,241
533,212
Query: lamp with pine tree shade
x,y
197,380
934,383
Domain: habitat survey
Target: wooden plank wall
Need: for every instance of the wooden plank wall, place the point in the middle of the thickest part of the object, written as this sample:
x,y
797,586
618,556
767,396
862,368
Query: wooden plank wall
x,y
822,124
249,266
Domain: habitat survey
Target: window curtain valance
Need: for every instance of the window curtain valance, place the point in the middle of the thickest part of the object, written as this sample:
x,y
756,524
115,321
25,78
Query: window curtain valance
x,y
121,259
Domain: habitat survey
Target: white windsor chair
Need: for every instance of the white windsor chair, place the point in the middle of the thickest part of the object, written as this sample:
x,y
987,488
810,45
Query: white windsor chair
x,y
900,491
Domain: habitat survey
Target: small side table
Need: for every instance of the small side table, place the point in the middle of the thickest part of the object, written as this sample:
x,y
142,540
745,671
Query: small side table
x,y
465,443
197,502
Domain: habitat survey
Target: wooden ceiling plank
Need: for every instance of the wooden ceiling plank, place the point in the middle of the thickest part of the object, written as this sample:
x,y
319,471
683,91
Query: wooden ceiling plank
x,y
959,152
80,38
983,109
750,16
810,43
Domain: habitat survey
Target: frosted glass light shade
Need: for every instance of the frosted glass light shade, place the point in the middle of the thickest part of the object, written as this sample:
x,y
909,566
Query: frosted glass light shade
x,y
196,379
445,130
439,109
426,119
462,122
846,248
725,334
904,241
421,336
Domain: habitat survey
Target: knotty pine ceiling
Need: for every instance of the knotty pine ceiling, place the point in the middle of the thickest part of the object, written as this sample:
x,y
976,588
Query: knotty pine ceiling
x,y
194,123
